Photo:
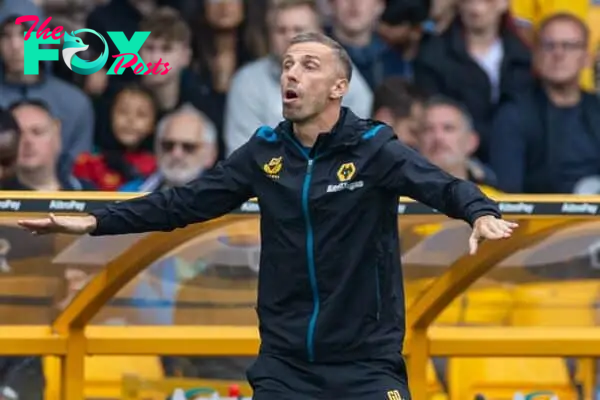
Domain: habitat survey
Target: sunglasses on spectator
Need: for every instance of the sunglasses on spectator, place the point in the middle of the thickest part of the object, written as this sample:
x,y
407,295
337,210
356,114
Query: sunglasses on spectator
x,y
188,147
548,45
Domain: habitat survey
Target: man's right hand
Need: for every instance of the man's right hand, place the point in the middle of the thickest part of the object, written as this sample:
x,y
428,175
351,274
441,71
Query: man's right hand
x,y
53,224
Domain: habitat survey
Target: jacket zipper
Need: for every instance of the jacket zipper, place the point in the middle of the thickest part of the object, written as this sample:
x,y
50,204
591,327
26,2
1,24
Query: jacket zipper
x,y
310,253
378,292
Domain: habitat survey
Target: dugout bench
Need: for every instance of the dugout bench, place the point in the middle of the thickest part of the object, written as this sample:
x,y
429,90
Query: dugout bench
x,y
521,315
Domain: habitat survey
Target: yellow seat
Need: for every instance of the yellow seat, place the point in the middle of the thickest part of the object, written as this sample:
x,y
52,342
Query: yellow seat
x,y
564,303
501,378
104,375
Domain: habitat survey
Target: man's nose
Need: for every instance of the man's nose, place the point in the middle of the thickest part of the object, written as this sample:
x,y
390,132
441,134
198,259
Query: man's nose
x,y
292,73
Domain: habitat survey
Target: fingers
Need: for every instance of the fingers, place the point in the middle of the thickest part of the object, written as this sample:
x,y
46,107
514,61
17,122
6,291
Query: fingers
x,y
39,226
34,223
492,229
473,244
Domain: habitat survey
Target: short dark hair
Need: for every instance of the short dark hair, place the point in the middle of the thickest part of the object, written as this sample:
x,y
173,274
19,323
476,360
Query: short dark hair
x,y
444,101
168,24
564,17
398,95
8,122
41,104
340,53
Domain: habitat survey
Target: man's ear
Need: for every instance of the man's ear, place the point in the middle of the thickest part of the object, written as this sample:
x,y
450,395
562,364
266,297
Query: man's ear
x,y
473,143
340,88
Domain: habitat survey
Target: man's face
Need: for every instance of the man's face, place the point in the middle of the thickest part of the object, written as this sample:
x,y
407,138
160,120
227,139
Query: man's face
x,y
177,54
287,23
357,16
478,15
182,151
446,140
39,144
12,48
561,53
408,128
309,76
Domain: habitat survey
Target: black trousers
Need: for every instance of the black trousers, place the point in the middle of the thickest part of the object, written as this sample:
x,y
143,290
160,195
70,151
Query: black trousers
x,y
274,377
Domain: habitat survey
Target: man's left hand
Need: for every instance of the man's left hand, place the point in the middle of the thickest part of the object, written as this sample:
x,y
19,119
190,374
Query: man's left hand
x,y
489,227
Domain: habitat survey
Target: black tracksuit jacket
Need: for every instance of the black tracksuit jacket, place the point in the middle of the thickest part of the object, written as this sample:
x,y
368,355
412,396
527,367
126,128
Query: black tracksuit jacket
x,y
330,280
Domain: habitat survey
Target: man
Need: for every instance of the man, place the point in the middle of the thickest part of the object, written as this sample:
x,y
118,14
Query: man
x,y
66,101
479,61
39,149
330,321
354,24
185,146
548,139
254,97
449,141
399,104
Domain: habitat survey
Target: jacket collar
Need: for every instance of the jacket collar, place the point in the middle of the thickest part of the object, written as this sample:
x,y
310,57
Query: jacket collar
x,y
346,132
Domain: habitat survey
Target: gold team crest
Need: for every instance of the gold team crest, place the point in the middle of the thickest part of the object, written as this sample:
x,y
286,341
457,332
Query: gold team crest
x,y
273,167
346,172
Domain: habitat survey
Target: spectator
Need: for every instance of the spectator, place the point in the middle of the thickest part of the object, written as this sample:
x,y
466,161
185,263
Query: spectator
x,y
399,104
478,61
219,42
115,16
221,46
66,101
449,141
9,144
185,147
170,40
529,13
254,98
133,119
549,138
354,23
39,150
403,23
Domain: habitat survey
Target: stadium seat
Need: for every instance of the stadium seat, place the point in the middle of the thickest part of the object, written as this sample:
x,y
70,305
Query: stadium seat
x,y
501,378
563,303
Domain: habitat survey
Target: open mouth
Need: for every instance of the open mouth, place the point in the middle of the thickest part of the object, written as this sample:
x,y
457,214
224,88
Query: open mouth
x,y
290,95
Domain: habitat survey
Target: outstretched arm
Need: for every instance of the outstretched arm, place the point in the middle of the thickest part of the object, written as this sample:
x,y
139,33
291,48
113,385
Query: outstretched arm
x,y
407,173
216,193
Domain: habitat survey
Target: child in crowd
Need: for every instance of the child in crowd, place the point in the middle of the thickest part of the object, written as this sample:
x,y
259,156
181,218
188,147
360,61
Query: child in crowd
x,y
133,120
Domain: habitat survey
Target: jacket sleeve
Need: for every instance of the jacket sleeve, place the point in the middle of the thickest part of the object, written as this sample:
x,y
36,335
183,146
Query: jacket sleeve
x,y
217,192
406,173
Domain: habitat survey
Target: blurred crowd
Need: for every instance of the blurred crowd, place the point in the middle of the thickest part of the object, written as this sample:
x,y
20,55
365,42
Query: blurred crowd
x,y
493,91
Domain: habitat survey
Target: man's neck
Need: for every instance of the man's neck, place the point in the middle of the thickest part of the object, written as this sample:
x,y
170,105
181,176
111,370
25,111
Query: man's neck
x,y
167,94
18,78
42,179
479,42
308,132
361,39
563,95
